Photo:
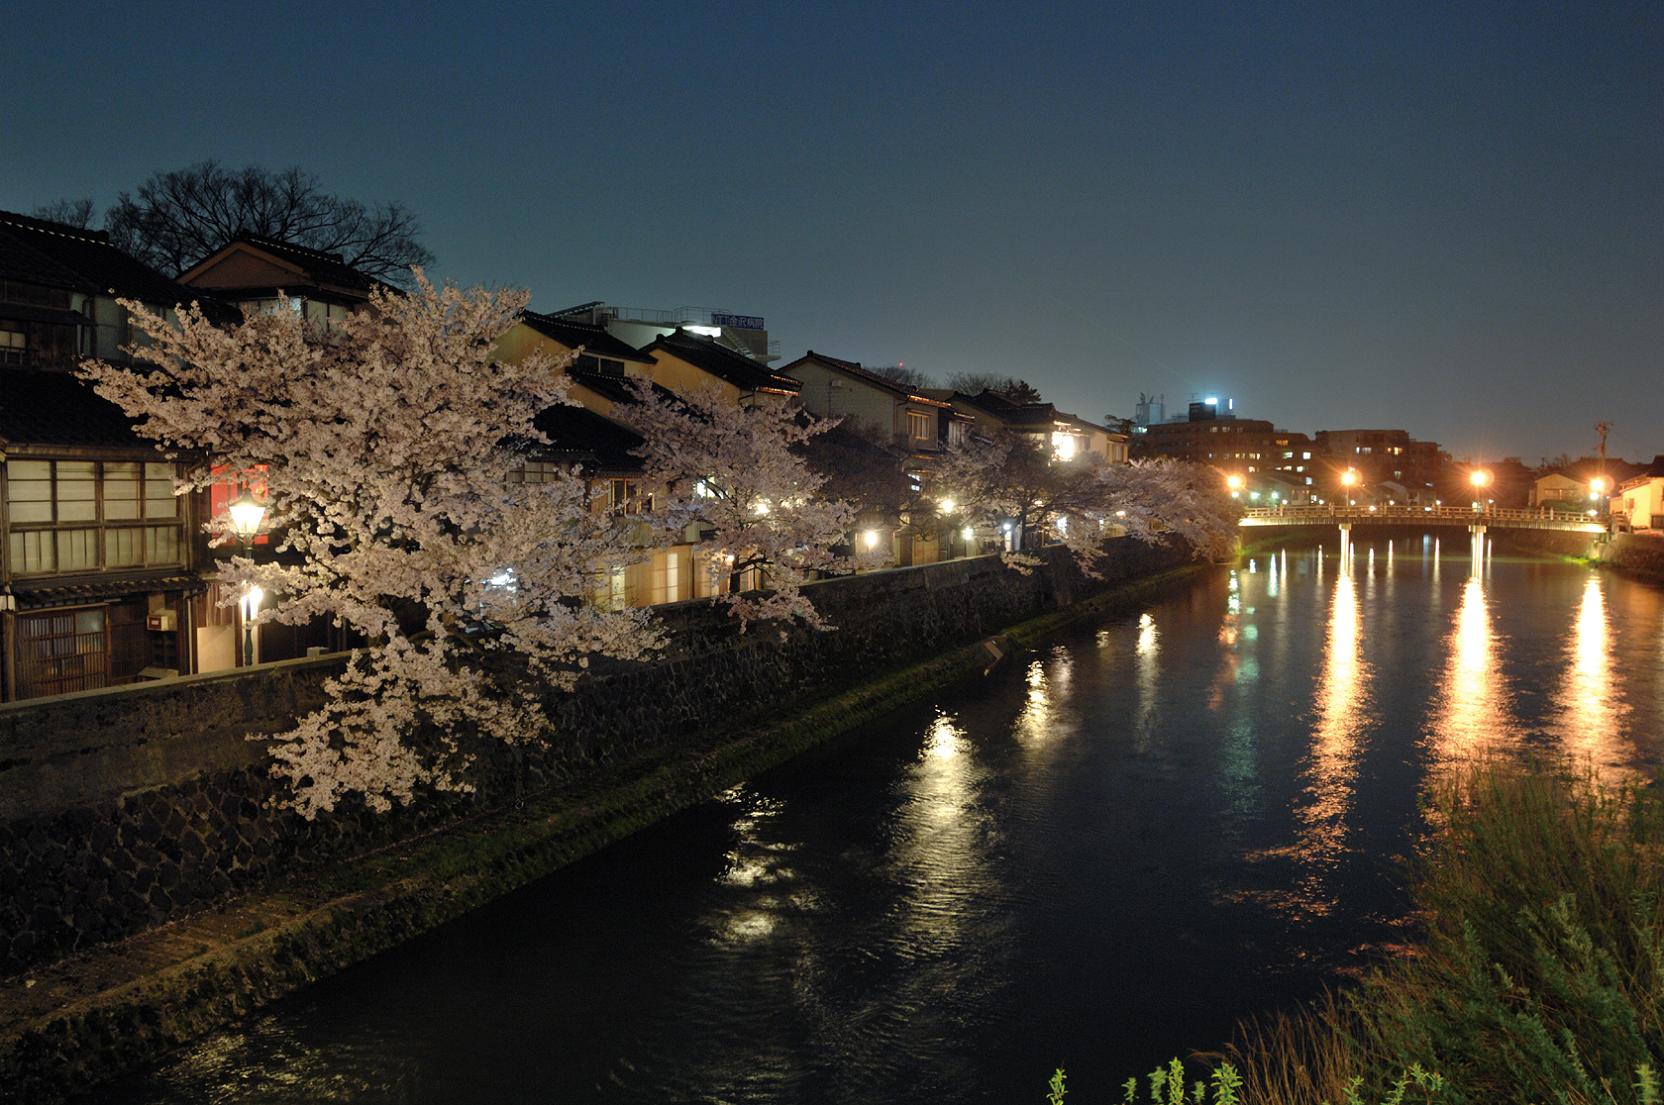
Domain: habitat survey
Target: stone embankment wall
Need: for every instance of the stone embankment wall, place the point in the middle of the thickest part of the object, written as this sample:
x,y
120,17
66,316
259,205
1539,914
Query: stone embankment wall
x,y
124,809
1637,554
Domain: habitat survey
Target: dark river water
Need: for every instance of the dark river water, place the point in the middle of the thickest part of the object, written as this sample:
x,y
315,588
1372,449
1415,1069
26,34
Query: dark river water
x,y
1101,856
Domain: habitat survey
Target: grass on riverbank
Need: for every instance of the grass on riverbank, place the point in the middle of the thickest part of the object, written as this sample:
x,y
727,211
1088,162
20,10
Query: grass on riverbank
x,y
1539,976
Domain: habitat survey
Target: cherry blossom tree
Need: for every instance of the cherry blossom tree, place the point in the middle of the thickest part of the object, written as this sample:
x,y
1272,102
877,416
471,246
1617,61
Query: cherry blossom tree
x,y
1013,481
386,446
742,493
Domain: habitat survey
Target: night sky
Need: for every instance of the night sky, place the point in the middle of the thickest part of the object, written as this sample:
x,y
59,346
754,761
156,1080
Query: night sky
x,y
1447,219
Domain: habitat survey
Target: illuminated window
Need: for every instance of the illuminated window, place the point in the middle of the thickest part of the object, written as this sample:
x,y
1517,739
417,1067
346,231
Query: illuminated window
x,y
535,471
85,515
14,346
1064,445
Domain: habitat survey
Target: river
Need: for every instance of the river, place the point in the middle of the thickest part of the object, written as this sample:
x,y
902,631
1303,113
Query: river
x,y
1102,856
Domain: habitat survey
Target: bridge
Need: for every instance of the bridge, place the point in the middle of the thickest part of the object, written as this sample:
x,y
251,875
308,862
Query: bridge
x,y
1471,518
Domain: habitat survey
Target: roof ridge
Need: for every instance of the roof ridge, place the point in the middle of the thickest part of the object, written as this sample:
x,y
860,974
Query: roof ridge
x,y
283,243
49,226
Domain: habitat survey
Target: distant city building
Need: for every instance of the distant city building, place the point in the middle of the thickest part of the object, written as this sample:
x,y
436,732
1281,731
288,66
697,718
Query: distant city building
x,y
1249,447
1383,456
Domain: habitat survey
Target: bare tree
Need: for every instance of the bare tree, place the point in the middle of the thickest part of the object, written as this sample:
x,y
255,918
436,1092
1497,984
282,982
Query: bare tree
x,y
77,213
973,383
175,219
901,374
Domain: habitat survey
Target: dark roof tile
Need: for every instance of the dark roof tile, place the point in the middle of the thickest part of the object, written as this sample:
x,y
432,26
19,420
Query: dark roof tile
x,y
88,254
595,339
57,408
723,363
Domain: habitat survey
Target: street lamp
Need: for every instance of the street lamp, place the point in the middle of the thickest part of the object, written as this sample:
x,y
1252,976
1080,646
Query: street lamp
x,y
1348,480
247,513
1480,479
1235,483
1597,487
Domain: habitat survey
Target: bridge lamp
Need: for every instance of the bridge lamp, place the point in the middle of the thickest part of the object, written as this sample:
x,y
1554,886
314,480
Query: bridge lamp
x,y
1479,477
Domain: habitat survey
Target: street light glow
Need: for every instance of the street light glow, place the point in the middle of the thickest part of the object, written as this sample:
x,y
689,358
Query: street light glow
x,y
1479,477
1349,477
247,513
1234,482
870,538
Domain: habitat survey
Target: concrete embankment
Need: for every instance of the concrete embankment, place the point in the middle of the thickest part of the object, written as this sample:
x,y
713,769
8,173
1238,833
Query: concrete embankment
x,y
137,835
1640,555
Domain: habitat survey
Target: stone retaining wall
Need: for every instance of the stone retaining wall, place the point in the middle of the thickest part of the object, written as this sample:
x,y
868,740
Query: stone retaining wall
x,y
123,809
1637,554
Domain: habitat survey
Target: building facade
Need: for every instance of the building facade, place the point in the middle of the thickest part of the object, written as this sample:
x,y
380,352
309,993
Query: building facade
x,y
99,558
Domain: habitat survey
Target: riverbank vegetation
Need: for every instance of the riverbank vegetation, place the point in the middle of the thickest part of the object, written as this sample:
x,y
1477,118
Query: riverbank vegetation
x,y
1539,975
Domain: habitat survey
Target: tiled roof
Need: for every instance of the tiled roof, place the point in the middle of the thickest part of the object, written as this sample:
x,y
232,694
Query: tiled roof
x,y
616,388
595,339
88,256
597,443
56,408
860,372
1017,413
57,591
723,363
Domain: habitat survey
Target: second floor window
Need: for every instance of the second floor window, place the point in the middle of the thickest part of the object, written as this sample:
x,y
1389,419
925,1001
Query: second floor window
x,y
625,497
14,346
87,516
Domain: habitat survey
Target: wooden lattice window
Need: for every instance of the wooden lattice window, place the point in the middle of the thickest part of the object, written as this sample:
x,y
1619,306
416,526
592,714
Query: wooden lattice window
x,y
61,651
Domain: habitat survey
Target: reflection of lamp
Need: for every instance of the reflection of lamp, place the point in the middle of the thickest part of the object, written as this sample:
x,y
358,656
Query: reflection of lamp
x,y
252,599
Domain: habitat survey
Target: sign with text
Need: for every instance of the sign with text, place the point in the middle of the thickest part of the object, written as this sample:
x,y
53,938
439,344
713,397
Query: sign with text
x,y
738,322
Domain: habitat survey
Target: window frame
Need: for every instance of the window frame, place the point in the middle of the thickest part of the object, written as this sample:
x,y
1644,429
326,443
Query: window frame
x,y
56,534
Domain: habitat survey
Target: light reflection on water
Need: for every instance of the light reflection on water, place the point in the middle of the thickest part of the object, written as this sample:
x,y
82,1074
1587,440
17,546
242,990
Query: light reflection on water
x,y
950,901
1471,717
1592,700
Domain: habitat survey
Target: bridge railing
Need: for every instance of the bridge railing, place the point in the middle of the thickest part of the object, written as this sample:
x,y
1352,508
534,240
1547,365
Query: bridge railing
x,y
1335,513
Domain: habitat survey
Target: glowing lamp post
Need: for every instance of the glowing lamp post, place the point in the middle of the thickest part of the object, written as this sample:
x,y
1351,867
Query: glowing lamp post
x,y
1348,480
1598,487
1480,479
247,513
1236,483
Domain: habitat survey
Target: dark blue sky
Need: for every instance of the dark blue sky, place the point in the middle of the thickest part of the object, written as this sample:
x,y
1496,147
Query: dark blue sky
x,y
1447,218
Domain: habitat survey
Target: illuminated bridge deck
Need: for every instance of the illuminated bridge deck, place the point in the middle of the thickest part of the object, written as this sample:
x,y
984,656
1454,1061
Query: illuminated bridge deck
x,y
1494,518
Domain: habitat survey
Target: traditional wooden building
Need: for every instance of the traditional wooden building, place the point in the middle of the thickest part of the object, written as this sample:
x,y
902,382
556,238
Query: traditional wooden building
x,y
268,274
98,556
